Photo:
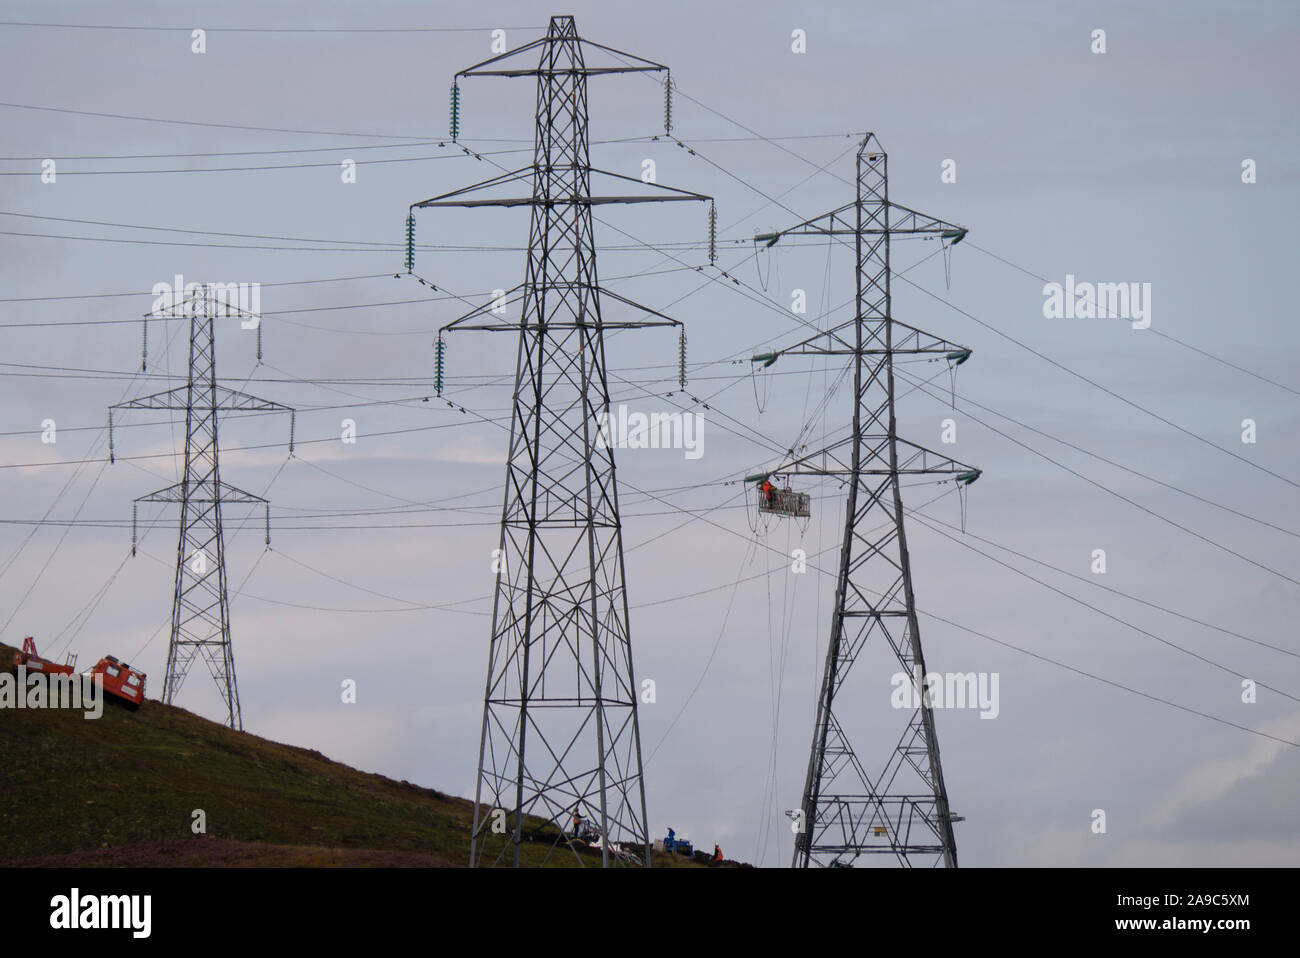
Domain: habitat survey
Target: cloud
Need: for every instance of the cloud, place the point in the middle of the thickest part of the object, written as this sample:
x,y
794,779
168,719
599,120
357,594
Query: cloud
x,y
474,450
1243,793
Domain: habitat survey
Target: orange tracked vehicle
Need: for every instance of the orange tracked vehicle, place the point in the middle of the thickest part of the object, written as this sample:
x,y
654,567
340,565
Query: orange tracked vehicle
x,y
119,680
34,663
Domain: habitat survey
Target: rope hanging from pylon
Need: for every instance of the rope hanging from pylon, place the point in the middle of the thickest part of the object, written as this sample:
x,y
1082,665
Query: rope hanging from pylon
x,y
948,239
455,112
410,242
760,402
964,479
955,358
763,281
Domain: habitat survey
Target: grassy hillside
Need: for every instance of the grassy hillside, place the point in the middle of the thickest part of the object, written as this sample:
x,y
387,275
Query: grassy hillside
x,y
121,791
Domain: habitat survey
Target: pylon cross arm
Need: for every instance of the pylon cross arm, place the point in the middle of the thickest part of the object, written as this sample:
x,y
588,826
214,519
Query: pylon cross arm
x,y
463,323
167,399
905,340
560,33
841,222
227,399
834,460
177,493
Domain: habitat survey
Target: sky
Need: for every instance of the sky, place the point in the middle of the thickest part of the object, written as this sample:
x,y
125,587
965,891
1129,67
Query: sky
x,y
1122,166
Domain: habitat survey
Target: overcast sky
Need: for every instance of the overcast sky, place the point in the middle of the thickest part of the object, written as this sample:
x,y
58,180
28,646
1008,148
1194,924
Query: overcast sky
x,y
1123,166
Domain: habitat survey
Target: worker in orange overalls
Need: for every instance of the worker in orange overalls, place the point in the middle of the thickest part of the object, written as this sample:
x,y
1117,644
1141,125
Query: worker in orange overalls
x,y
717,853
767,489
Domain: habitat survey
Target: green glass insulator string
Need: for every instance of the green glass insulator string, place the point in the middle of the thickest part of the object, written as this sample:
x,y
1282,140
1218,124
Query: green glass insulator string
x,y
681,358
668,103
713,233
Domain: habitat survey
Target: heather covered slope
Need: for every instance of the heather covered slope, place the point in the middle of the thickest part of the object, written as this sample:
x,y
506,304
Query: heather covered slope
x,y
121,790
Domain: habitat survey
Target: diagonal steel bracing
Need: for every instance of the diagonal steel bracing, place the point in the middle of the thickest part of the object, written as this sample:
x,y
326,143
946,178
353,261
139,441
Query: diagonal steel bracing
x,y
874,785
200,604
560,733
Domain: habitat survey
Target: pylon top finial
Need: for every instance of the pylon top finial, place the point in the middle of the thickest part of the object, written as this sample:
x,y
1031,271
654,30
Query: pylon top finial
x,y
562,26
870,147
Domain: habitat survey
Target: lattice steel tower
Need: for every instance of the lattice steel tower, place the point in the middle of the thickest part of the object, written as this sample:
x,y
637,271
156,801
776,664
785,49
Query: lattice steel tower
x,y
898,807
560,734
200,608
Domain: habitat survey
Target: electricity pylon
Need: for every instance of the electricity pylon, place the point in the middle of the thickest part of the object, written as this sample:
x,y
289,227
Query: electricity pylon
x,y
200,608
897,807
560,743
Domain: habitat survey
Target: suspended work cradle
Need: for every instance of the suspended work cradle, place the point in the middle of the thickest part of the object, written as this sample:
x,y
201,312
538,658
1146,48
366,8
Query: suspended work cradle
x,y
777,501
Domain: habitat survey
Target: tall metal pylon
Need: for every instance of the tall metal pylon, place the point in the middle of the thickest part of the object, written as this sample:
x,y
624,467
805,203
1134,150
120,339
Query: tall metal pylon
x,y
200,605
560,740
851,806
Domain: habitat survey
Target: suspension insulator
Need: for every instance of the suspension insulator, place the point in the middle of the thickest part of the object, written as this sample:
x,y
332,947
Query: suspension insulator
x,y
259,339
292,416
455,112
439,355
681,359
668,104
268,525
713,233
144,344
134,506
410,243
110,437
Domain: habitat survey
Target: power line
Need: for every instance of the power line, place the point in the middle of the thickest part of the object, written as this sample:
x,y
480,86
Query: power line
x,y
1035,352
347,148
1114,618
1110,462
1006,336
332,164
67,485
914,284
163,29
300,282
205,123
1155,332
783,312
1096,385
1127,595
1111,682
388,246
186,156
1132,502
174,243
1040,657
265,445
